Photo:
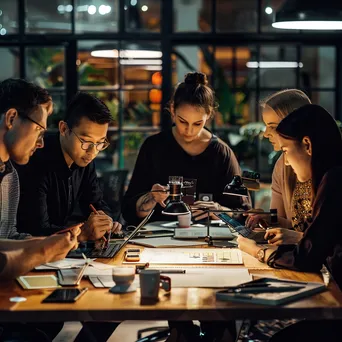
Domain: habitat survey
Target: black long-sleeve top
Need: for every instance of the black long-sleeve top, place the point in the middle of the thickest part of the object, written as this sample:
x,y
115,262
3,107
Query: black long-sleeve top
x,y
49,190
322,241
161,156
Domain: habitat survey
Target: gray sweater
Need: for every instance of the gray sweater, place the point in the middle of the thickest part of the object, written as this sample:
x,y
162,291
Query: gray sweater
x,y
9,199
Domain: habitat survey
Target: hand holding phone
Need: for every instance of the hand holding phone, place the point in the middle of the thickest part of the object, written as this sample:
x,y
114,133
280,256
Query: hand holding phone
x,y
65,295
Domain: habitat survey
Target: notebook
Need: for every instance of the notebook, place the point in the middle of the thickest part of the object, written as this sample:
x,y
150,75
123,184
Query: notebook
x,y
300,290
113,248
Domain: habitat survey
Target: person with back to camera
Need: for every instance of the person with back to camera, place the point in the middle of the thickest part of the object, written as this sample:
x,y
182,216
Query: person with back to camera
x,y
190,150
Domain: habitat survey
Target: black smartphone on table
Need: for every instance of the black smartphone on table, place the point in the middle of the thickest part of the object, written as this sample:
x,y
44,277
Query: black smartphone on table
x,y
65,295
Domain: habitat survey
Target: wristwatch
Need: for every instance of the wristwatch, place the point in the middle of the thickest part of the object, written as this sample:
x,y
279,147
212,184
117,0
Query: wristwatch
x,y
261,254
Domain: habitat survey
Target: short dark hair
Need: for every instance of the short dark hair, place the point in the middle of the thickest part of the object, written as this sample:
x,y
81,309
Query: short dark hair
x,y
21,95
195,91
89,106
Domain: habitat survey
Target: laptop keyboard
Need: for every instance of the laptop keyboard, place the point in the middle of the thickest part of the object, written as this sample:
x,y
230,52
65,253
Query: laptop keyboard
x,y
109,252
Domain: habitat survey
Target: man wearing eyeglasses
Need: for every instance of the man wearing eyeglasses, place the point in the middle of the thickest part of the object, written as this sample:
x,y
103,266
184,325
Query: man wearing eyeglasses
x,y
63,175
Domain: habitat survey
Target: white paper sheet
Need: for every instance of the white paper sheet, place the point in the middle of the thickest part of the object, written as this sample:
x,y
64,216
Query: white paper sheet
x,y
166,241
193,277
194,256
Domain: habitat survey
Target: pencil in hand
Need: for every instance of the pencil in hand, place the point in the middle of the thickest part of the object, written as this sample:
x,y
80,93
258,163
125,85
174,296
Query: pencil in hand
x,y
105,241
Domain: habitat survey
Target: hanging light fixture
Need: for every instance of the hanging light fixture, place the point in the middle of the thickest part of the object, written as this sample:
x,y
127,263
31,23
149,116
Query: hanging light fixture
x,y
309,15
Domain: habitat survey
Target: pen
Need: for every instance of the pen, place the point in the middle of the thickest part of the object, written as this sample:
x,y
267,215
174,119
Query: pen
x,y
172,271
266,289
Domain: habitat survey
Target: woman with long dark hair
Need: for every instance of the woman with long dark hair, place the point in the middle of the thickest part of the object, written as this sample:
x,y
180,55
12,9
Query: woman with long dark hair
x,y
312,145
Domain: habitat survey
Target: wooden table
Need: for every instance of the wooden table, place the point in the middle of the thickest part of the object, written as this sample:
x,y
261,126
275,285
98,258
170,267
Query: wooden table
x,y
180,304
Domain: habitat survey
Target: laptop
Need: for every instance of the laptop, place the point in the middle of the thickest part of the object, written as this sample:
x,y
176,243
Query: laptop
x,y
113,248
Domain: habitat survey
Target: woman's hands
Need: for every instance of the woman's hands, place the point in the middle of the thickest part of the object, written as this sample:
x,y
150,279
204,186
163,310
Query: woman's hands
x,y
255,220
283,236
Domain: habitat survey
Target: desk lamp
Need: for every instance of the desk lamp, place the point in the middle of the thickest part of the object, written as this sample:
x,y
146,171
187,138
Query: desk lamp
x,y
240,185
176,206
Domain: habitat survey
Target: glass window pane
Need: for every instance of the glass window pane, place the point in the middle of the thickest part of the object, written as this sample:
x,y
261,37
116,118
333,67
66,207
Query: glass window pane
x,y
236,16
98,65
8,17
97,16
59,106
48,16
141,107
325,99
45,66
319,67
278,66
142,15
233,64
9,58
192,16
189,58
139,61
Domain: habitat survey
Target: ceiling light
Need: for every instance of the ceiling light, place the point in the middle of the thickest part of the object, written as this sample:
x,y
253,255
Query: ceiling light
x,y
68,8
140,61
144,8
127,53
268,10
92,9
309,15
274,65
153,67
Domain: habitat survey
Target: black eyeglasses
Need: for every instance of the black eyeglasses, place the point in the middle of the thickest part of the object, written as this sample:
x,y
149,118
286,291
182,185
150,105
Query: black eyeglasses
x,y
35,122
87,145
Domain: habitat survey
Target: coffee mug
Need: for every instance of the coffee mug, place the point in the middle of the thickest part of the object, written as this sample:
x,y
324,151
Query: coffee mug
x,y
150,283
184,221
123,278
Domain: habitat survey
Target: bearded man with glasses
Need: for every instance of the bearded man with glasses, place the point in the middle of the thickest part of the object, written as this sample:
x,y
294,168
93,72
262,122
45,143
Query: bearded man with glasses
x,y
63,175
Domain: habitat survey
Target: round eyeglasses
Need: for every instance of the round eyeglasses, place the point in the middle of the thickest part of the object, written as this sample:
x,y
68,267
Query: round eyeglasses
x,y
87,145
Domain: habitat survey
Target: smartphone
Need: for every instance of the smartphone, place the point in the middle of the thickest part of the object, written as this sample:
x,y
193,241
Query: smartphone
x,y
258,237
65,295
228,220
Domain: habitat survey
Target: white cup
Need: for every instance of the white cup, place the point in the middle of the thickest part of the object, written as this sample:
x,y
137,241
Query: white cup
x,y
184,221
123,278
150,283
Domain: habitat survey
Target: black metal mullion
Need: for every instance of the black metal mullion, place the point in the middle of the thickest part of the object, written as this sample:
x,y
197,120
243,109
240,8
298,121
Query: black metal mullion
x,y
166,47
73,17
121,141
298,58
213,16
122,17
257,97
71,73
21,31
259,15
338,82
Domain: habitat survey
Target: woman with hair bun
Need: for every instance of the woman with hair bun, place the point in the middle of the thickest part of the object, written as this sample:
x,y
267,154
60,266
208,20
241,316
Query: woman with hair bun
x,y
188,149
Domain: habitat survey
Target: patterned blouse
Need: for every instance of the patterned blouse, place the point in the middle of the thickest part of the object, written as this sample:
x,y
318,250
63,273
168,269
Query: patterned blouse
x,y
302,205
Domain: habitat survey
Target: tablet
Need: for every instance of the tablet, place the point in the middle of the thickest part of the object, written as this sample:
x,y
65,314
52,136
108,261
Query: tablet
x,y
38,282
